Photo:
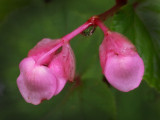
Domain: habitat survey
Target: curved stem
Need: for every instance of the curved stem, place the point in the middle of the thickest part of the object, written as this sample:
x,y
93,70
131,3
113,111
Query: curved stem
x,y
114,9
102,26
64,40
95,21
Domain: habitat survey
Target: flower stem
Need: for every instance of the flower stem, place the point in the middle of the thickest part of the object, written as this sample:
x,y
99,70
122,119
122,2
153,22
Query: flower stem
x,y
77,31
98,18
102,26
114,9
64,40
41,59
93,21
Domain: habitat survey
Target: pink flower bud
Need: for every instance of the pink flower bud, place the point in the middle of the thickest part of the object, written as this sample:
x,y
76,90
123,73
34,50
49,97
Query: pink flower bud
x,y
45,72
120,62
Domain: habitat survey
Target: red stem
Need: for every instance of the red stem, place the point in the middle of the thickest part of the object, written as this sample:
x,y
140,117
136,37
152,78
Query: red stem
x,y
40,60
114,9
93,21
77,31
64,40
102,26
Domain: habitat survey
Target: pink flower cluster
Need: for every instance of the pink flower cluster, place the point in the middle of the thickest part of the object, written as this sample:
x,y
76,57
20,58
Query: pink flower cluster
x,y
51,63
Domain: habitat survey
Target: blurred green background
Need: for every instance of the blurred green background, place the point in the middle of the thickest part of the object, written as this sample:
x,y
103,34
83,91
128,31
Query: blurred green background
x,y
25,22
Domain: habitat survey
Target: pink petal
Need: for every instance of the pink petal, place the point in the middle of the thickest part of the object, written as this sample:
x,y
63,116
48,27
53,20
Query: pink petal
x,y
69,62
103,54
124,72
42,47
63,66
57,68
35,82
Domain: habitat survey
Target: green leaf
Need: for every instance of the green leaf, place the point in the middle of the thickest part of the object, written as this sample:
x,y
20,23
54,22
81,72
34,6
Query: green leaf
x,y
140,104
149,14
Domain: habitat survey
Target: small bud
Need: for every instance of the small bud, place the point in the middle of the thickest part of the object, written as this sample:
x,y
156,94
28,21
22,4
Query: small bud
x,y
120,62
44,72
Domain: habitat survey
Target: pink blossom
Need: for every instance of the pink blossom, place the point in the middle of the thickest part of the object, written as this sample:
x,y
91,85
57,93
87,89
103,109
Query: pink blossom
x,y
45,71
120,62
63,66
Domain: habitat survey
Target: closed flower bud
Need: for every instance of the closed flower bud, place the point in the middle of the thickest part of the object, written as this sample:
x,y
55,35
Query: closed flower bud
x,y
120,62
45,72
